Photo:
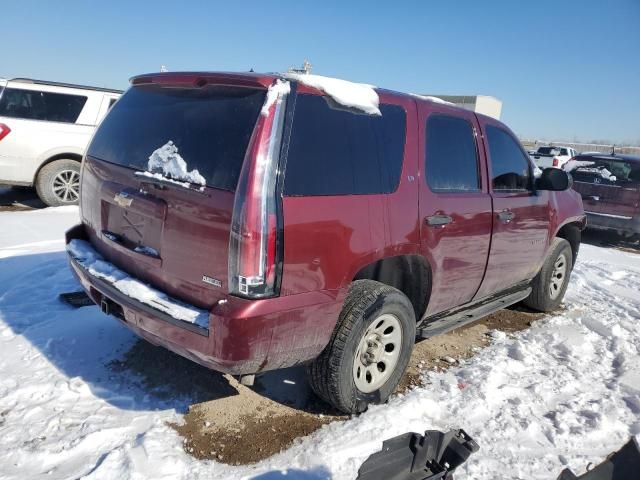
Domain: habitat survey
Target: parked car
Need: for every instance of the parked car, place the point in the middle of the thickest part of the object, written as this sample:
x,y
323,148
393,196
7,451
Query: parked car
x,y
44,130
555,156
610,189
249,223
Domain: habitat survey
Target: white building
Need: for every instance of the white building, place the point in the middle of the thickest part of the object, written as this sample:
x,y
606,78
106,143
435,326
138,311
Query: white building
x,y
484,104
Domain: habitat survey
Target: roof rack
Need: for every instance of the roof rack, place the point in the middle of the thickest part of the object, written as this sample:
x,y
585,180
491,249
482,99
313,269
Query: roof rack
x,y
60,84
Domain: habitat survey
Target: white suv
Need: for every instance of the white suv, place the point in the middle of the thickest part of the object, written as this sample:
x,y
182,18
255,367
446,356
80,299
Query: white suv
x,y
44,130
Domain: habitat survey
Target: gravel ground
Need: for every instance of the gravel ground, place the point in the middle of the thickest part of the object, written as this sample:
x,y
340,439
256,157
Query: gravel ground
x,y
245,425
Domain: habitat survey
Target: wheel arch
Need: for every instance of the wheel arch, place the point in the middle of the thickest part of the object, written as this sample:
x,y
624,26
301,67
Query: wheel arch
x,y
411,274
59,156
572,233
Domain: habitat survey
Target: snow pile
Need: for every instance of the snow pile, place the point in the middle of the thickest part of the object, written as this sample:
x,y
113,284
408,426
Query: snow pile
x,y
583,165
354,95
276,92
537,171
432,99
564,393
571,165
93,262
172,165
151,252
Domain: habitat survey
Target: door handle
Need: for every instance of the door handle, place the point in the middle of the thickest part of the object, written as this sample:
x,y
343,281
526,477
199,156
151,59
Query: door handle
x,y
506,216
438,220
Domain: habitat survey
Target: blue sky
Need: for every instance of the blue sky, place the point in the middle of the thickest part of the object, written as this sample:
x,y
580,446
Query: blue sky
x,y
564,69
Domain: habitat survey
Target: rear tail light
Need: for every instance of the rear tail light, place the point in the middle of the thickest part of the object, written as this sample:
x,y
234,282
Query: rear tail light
x,y
253,244
4,130
555,162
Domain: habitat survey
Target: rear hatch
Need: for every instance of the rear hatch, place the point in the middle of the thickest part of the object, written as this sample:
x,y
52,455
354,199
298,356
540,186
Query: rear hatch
x,y
608,186
159,179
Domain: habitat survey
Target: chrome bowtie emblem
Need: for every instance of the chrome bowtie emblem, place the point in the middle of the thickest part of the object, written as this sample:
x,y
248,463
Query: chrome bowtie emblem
x,y
123,199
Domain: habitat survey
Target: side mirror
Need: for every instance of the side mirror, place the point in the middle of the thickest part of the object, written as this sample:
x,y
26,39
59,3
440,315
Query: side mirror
x,y
553,179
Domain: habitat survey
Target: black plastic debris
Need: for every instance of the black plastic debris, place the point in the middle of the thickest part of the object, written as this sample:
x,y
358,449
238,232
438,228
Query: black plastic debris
x,y
411,456
76,299
621,465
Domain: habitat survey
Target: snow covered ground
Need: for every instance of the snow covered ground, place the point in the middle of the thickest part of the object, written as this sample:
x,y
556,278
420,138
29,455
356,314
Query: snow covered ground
x,y
566,392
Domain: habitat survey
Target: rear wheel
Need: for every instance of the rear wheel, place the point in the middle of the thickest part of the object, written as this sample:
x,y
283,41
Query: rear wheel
x,y
369,349
58,183
550,285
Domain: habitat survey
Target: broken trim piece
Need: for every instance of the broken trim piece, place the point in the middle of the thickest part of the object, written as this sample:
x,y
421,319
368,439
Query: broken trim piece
x,y
411,456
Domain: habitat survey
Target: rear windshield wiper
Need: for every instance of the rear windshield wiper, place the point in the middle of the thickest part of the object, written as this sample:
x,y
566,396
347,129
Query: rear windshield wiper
x,y
164,182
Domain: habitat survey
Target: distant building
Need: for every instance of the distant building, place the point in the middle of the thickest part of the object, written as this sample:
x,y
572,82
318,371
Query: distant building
x,y
484,104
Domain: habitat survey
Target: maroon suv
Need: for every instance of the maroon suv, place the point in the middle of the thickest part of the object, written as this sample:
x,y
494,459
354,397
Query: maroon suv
x,y
610,189
249,222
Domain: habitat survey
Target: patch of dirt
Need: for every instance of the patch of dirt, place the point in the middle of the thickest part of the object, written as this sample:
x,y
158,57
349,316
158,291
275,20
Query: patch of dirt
x,y
443,351
234,424
246,429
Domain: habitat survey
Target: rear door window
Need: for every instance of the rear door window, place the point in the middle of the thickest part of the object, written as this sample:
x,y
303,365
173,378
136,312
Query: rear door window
x,y
451,155
608,172
338,152
210,126
37,105
510,168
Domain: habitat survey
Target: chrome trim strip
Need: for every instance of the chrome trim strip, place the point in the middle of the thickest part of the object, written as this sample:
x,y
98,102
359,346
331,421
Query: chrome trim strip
x,y
609,215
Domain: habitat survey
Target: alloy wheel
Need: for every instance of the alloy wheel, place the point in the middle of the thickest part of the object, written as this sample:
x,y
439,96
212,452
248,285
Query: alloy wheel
x,y
66,186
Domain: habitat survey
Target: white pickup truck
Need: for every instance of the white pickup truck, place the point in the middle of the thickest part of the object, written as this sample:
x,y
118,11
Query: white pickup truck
x,y
555,156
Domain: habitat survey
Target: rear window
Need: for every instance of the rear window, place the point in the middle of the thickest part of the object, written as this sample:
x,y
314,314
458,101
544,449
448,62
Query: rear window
x,y
36,105
338,152
210,126
607,172
548,150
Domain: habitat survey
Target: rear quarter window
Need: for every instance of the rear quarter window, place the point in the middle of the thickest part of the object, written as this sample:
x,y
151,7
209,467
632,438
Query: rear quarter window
x,y
338,152
37,105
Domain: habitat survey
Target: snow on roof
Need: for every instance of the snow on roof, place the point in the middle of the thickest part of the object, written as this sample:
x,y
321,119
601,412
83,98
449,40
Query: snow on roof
x,y
432,99
355,95
275,91
573,164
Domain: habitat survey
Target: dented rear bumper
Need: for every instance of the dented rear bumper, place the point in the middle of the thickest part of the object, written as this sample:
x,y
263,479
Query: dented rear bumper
x,y
243,336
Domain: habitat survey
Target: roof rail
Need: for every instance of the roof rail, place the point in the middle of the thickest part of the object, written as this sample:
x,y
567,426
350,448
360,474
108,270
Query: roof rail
x,y
60,84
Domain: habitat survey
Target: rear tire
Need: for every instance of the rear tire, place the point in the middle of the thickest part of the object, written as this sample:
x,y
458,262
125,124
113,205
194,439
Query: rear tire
x,y
369,350
58,183
550,285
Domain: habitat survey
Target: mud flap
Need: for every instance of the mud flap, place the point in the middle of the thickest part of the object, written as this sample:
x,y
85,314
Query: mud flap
x,y
411,456
621,465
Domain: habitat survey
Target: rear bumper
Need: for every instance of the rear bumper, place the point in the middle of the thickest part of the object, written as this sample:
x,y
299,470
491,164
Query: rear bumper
x,y
243,336
603,221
